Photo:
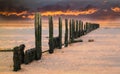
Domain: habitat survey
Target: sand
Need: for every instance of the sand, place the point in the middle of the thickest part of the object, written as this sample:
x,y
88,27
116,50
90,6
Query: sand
x,y
102,56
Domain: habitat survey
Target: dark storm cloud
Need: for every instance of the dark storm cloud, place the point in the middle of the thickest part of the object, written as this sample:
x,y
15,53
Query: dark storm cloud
x,y
63,6
103,7
54,4
12,5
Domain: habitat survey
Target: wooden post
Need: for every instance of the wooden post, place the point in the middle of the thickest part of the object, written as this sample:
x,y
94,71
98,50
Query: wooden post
x,y
81,25
60,32
22,47
82,28
73,31
77,28
70,31
51,45
26,58
87,27
16,59
38,32
90,27
66,33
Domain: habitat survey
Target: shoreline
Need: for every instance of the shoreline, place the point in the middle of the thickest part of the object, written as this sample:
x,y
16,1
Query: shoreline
x,y
98,57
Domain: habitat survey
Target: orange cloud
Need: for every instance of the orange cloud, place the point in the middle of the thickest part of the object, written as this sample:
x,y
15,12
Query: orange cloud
x,y
68,12
25,14
116,9
30,16
13,13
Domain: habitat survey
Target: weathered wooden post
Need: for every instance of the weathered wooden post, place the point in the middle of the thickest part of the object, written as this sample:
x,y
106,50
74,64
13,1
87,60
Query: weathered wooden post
x,y
84,29
77,28
51,45
26,61
81,28
73,30
90,25
38,32
70,31
60,32
66,33
87,27
22,47
16,59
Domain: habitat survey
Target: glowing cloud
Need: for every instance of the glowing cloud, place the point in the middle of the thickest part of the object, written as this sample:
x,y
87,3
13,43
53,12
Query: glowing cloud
x,y
30,16
13,13
69,12
116,9
25,14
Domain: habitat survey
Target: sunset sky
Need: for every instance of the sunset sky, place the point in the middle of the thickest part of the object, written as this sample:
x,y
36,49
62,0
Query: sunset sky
x,y
100,10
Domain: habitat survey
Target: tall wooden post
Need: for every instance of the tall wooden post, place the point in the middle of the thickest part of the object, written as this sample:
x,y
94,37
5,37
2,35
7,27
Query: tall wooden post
x,y
70,31
51,45
81,28
77,28
84,29
73,30
60,32
87,27
82,25
38,32
66,33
